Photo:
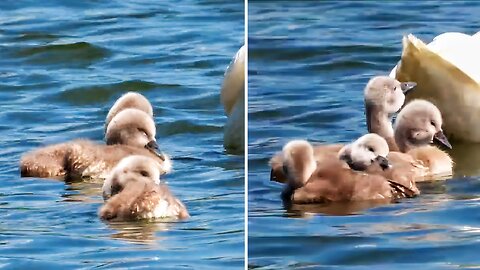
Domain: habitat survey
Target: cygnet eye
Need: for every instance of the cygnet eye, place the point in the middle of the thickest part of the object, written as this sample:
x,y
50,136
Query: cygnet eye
x,y
143,132
144,173
371,149
395,88
433,123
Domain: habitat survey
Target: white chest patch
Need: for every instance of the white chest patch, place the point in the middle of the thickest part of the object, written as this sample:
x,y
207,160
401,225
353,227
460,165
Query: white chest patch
x,y
162,210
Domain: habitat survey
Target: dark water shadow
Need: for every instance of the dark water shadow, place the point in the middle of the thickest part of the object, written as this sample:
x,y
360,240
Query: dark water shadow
x,y
331,209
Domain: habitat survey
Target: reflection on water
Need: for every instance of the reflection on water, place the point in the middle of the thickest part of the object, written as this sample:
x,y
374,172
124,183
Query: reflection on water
x,y
62,65
308,65
85,191
141,232
334,208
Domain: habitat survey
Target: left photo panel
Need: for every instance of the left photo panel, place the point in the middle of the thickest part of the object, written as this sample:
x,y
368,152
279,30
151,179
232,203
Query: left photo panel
x,y
123,134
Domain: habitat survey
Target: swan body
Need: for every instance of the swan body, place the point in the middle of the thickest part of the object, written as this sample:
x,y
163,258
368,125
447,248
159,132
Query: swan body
x,y
233,99
447,73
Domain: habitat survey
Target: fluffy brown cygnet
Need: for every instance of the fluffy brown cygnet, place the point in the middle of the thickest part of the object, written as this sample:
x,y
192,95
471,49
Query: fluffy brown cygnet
x,y
383,97
401,171
85,159
417,126
311,180
357,154
80,159
133,191
129,100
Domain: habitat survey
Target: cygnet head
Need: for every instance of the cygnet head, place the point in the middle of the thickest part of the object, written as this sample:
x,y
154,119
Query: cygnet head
x,y
129,100
386,93
131,127
131,168
135,128
419,123
299,162
365,151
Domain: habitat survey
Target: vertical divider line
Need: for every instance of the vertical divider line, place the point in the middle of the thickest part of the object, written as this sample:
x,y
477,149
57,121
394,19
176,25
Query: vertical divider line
x,y
245,29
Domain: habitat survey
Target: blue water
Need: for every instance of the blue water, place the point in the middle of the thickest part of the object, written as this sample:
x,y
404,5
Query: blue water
x,y
62,65
308,64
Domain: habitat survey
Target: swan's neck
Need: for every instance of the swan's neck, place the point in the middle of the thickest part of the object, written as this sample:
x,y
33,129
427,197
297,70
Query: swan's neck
x,y
233,134
380,123
402,141
405,142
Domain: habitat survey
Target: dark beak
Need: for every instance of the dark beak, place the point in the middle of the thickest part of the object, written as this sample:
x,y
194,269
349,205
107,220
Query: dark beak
x,y
153,147
441,138
383,162
279,177
407,86
272,176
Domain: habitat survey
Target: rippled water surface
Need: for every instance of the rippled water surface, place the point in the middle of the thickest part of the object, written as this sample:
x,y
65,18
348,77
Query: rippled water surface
x,y
62,65
308,64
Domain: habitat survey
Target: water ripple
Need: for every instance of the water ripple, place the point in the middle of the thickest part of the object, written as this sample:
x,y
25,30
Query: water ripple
x,y
92,94
78,54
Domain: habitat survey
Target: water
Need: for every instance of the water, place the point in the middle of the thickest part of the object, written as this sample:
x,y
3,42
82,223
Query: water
x,y
62,65
308,64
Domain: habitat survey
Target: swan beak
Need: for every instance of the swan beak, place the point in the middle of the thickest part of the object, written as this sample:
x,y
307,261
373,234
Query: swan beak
x,y
279,178
383,162
272,176
407,86
441,138
152,146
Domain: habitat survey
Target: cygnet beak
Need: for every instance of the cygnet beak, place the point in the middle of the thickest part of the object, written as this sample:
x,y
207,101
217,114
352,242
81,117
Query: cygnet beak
x,y
106,196
272,176
383,162
441,138
407,86
153,147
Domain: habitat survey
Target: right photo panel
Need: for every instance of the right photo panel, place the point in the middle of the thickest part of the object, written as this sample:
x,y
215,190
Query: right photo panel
x,y
363,132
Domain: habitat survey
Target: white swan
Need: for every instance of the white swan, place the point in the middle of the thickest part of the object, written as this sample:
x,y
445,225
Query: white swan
x,y
233,99
447,73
